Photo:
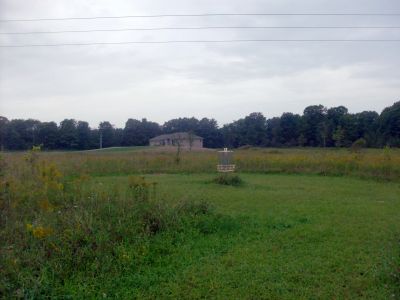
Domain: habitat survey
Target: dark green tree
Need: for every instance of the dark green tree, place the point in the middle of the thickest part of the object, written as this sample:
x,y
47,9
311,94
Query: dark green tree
x,y
367,127
230,134
252,130
334,117
274,132
289,129
312,120
350,130
48,135
338,136
208,130
138,133
14,135
21,134
180,125
83,134
118,137
389,125
68,134
107,133
255,129
3,129
94,139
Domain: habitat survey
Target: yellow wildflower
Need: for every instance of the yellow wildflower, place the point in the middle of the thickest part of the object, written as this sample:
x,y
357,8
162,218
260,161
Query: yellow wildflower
x,y
39,231
29,227
45,205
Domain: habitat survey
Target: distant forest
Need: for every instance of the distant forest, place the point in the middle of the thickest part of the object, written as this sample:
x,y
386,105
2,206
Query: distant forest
x,y
318,126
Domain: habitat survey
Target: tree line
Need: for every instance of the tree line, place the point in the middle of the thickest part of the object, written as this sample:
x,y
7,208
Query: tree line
x,y
318,126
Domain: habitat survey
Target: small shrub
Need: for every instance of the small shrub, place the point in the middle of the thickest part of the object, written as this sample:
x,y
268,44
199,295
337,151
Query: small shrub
x,y
358,145
153,218
140,188
194,208
228,179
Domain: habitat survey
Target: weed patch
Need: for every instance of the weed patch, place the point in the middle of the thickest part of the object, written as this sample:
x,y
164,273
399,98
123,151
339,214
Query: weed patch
x,y
52,234
228,179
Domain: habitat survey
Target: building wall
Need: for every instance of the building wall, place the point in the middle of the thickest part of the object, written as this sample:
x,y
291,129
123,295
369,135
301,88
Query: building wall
x,y
196,143
155,143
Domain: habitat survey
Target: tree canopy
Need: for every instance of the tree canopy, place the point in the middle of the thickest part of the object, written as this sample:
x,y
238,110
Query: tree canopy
x,y
318,126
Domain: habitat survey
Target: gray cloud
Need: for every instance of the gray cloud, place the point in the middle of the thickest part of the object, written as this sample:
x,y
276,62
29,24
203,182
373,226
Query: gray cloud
x,y
224,81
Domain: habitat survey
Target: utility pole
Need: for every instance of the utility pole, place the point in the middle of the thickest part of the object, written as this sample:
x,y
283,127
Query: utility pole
x,y
101,139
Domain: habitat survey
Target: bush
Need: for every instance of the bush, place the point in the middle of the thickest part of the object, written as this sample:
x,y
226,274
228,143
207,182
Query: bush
x,y
140,188
228,179
358,145
194,208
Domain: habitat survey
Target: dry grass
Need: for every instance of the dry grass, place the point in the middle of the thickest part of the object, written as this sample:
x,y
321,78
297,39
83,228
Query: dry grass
x,y
373,163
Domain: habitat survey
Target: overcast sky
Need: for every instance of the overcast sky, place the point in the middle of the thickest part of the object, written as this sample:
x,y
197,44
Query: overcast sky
x,y
223,81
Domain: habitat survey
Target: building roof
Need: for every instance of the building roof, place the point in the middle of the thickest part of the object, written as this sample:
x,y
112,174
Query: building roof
x,y
176,136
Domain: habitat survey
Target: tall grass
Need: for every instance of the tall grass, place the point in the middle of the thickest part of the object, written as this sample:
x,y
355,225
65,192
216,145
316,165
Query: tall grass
x,y
54,228
62,229
375,163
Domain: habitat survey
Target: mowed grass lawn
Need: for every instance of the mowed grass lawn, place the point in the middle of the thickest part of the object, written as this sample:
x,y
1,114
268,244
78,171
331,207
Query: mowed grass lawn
x,y
285,237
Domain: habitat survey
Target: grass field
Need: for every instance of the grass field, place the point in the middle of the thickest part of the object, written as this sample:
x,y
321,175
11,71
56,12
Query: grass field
x,y
90,233
289,237
383,164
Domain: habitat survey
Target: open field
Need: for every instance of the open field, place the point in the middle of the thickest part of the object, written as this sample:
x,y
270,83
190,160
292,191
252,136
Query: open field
x,y
382,164
84,227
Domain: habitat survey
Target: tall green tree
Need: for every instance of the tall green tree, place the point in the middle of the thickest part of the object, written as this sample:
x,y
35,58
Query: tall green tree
x,y
367,127
317,126
3,129
313,118
274,132
252,130
48,135
107,133
289,129
68,134
83,134
180,125
14,135
349,125
389,125
21,134
334,117
138,133
230,133
209,131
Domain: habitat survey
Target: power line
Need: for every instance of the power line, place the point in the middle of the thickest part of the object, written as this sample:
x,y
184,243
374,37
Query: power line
x,y
199,15
197,41
198,28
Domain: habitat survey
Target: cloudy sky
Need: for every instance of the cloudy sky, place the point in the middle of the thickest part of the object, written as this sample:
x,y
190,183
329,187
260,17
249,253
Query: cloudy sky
x,y
225,81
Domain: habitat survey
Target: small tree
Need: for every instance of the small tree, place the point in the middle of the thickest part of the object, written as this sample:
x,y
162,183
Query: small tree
x,y
358,145
338,136
324,132
302,140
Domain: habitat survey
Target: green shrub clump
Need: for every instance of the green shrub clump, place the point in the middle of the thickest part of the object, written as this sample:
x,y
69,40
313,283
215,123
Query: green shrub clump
x,y
358,145
228,179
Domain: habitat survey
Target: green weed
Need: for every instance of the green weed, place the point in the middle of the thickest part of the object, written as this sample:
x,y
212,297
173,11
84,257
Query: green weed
x,y
228,179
